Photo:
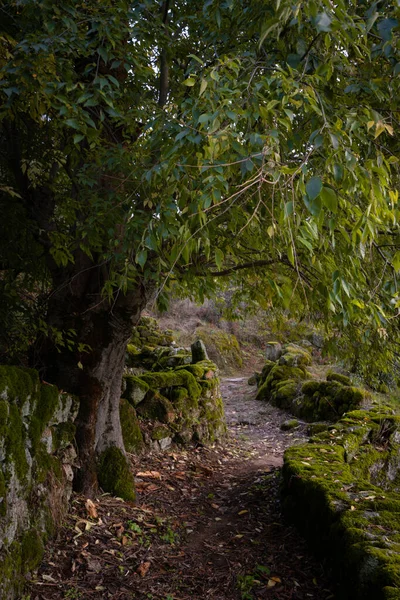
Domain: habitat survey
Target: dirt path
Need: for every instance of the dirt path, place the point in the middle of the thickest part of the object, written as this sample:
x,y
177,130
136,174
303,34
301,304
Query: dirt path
x,y
207,525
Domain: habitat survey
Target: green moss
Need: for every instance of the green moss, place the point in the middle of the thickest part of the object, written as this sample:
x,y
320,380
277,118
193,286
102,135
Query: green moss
x,y
179,378
197,370
32,550
343,379
131,433
268,366
115,475
63,435
222,347
160,433
15,442
294,356
135,389
156,408
3,495
4,410
44,465
18,385
289,425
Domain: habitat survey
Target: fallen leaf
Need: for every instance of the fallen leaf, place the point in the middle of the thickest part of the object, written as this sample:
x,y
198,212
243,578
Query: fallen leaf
x,y
151,474
91,509
143,568
271,583
243,512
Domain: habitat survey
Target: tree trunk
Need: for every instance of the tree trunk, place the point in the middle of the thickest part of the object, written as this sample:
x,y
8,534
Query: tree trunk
x,y
94,370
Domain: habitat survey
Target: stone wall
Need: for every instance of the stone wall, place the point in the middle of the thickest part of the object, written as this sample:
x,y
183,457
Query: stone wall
x,y
36,457
342,490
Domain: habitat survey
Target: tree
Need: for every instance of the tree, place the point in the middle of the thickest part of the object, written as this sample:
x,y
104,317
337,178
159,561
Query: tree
x,y
152,145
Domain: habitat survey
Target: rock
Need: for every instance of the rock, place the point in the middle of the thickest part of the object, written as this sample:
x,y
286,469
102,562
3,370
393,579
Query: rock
x,y
316,339
199,351
252,380
290,424
273,351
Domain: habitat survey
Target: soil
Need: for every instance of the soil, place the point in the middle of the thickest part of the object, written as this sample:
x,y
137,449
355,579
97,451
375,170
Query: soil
x,y
207,524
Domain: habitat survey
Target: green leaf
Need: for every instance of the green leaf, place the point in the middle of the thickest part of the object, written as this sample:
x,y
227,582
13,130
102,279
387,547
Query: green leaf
x,y
396,261
78,138
141,258
219,257
203,86
323,22
314,187
73,123
329,199
190,82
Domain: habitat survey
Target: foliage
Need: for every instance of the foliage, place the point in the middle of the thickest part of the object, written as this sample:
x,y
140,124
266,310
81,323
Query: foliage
x,y
176,144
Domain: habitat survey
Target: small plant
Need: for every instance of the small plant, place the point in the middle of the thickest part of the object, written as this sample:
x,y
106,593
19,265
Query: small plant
x,y
170,536
245,584
132,526
72,594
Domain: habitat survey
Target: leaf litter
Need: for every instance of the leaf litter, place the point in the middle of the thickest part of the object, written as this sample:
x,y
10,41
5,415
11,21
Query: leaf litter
x,y
171,545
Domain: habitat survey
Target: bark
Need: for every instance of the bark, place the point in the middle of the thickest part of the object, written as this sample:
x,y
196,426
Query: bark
x,y
95,374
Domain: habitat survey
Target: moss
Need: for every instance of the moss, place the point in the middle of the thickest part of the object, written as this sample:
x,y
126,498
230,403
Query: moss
x,y
315,428
160,433
63,435
295,357
18,385
135,389
289,425
3,495
343,379
222,347
196,370
131,433
15,442
32,550
268,366
156,408
340,508
179,378
44,465
114,474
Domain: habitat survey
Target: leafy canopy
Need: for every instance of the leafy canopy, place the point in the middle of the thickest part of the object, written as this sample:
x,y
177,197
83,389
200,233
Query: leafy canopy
x,y
185,141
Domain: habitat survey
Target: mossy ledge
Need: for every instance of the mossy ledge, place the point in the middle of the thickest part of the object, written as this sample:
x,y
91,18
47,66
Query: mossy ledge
x,y
36,456
341,490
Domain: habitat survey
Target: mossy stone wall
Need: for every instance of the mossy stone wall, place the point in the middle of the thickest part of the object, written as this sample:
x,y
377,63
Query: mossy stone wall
x,y
341,490
36,457
181,405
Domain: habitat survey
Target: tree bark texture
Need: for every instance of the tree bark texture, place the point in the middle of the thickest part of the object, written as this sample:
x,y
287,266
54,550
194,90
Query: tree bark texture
x,y
94,374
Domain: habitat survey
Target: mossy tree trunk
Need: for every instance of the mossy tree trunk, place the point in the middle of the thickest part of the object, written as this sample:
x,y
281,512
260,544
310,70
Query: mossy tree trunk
x,y
92,363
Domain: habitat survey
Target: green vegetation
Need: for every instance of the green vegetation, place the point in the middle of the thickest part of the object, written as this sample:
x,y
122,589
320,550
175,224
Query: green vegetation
x,y
342,491
115,475
251,140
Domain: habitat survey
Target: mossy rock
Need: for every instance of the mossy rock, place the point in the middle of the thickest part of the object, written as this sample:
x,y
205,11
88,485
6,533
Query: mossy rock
x,y
327,400
343,379
290,425
160,433
199,351
222,347
135,389
295,356
340,492
156,407
131,432
115,475
178,378
267,368
197,370
19,385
